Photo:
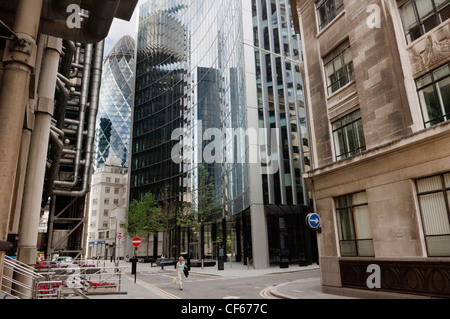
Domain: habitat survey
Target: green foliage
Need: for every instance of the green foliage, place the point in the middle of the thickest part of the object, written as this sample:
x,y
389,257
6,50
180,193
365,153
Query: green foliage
x,y
144,217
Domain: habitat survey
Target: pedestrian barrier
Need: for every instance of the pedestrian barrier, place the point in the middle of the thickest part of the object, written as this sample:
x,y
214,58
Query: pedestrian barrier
x,y
21,281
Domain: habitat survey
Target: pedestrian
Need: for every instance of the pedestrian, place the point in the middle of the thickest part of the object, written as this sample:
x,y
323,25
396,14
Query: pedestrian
x,y
161,261
180,271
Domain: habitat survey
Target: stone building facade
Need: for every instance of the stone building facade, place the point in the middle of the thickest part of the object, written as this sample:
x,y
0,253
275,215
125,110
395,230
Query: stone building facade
x,y
377,79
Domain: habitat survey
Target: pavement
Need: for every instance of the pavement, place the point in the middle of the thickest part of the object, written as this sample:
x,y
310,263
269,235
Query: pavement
x,y
309,288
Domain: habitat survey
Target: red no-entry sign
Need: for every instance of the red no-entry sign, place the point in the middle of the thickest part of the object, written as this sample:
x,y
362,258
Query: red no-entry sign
x,y
136,241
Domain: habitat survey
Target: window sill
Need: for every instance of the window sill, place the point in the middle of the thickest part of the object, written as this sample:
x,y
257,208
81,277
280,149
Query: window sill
x,y
330,24
337,92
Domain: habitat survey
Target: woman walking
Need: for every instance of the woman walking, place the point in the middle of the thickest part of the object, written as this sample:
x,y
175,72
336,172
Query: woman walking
x,y
179,269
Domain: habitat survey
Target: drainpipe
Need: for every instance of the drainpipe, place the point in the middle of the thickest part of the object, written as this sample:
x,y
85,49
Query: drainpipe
x,y
34,183
92,118
19,62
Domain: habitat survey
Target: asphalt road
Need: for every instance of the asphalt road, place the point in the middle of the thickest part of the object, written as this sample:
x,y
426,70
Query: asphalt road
x,y
199,286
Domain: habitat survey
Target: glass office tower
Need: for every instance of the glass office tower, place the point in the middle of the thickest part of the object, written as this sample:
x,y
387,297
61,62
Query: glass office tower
x,y
189,76
195,74
281,106
116,98
160,100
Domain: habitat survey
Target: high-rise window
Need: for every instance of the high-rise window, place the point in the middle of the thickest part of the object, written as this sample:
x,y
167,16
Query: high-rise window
x,y
327,10
434,200
339,70
420,16
434,96
349,136
353,218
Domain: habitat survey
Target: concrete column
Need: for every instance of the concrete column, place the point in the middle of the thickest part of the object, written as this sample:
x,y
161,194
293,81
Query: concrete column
x,y
34,183
19,59
260,240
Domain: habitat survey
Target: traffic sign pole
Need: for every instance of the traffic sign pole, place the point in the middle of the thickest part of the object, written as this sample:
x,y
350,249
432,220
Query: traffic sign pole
x,y
136,242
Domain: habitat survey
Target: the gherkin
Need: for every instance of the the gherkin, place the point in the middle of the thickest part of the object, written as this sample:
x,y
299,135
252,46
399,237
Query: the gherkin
x,y
116,98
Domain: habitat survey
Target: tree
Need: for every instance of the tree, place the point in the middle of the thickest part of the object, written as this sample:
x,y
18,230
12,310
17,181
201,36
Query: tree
x,y
201,206
144,218
169,207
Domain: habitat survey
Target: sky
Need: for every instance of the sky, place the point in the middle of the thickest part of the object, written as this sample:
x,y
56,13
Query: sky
x,y
121,28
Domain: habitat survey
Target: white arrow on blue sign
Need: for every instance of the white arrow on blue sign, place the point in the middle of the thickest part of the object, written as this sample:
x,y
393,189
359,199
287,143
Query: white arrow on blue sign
x,y
313,220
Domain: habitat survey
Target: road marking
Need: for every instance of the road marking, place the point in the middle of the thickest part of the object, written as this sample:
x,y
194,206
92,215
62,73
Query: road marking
x,y
154,289
266,294
231,297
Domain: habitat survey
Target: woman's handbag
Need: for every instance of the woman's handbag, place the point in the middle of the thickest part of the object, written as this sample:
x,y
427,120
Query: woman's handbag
x,y
186,271
174,281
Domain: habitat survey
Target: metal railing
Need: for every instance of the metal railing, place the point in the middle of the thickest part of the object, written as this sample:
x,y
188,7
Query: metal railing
x,y
79,279
24,288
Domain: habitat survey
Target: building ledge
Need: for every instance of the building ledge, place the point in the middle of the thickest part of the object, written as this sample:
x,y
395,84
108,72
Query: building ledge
x,y
411,140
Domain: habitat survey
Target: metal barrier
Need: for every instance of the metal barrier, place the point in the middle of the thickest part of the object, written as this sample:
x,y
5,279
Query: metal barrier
x,y
80,279
19,280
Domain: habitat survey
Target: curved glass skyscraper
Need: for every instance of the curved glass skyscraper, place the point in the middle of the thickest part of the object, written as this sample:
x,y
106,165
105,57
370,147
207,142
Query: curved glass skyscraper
x,y
116,98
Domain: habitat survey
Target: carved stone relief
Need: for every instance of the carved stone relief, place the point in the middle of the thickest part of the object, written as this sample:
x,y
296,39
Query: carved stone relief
x,y
431,51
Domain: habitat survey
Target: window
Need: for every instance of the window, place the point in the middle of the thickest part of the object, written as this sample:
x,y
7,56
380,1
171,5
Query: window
x,y
349,136
116,201
116,190
355,235
434,201
107,190
106,212
108,179
117,180
327,10
420,16
339,71
106,201
434,96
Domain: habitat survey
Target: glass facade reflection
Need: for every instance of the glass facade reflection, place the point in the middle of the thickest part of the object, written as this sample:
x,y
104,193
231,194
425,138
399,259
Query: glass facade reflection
x,y
281,102
281,106
160,99
192,75
116,98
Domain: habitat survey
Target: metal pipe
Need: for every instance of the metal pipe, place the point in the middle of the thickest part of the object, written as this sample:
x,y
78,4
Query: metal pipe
x,y
76,61
57,131
93,111
14,94
56,141
34,182
83,106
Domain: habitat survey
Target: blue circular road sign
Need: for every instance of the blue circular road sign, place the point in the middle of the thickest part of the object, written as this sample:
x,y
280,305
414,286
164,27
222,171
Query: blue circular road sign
x,y
313,220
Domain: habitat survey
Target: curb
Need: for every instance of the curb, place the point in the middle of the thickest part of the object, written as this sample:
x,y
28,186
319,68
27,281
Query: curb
x,y
275,292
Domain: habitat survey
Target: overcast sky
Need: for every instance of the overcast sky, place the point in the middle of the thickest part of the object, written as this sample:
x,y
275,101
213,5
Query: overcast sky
x,y
121,28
